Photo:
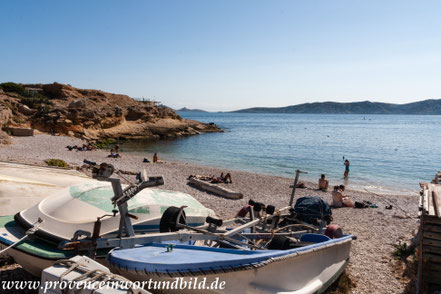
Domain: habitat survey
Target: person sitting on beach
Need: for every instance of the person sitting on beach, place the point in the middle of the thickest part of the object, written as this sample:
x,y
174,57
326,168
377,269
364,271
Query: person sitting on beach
x,y
90,147
113,154
338,200
155,158
222,179
226,178
323,183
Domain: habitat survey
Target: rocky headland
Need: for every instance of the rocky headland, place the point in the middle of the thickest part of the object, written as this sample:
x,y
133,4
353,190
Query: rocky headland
x,y
89,114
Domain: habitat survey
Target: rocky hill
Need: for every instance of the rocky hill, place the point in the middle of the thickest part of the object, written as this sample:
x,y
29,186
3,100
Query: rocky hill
x,y
90,114
185,109
366,107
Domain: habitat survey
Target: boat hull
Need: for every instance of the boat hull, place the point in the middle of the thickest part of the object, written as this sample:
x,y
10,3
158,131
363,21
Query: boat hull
x,y
309,270
33,254
32,264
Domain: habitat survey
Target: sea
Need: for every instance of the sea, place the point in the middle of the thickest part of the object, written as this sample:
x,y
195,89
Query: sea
x,y
388,154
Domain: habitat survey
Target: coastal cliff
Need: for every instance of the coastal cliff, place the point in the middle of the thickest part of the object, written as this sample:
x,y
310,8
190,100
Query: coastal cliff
x,y
90,114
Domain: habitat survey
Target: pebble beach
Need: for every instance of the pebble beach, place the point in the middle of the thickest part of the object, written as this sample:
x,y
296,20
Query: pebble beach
x,y
372,266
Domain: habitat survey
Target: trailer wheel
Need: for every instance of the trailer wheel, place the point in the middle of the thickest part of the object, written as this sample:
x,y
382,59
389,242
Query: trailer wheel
x,y
169,218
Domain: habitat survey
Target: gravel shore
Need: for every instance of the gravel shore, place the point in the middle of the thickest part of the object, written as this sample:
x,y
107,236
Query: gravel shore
x,y
371,266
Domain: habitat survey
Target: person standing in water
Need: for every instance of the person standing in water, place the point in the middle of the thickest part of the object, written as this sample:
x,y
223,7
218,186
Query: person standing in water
x,y
346,168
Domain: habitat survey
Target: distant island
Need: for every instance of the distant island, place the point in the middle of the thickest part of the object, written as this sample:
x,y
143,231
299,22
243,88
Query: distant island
x,y
185,109
430,106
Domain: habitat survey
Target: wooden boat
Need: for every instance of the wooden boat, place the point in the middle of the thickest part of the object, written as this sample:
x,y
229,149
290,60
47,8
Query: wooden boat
x,y
307,269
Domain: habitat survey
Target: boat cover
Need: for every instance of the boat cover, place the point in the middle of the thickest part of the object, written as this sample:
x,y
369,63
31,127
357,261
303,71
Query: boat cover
x,y
78,207
156,258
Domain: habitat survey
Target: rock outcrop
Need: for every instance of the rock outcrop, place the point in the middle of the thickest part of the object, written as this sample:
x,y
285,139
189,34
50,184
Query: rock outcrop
x,y
91,114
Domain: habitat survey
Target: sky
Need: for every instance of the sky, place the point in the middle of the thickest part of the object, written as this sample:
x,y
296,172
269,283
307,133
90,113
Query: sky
x,y
228,55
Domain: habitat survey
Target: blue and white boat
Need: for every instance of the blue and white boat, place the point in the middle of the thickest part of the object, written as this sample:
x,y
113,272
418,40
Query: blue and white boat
x,y
311,268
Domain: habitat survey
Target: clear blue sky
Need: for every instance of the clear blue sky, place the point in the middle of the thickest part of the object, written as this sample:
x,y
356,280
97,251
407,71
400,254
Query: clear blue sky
x,y
227,55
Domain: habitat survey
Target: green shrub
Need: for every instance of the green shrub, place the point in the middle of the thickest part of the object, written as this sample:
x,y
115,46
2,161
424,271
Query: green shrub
x,y
56,162
35,102
13,87
402,251
105,143
28,99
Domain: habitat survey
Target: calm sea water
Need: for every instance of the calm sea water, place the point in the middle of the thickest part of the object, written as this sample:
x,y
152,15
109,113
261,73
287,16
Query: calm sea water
x,y
388,153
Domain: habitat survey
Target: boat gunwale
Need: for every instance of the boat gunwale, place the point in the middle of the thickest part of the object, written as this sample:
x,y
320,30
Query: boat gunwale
x,y
281,255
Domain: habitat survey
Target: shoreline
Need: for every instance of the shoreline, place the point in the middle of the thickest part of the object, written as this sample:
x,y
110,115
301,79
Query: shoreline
x,y
372,266
354,186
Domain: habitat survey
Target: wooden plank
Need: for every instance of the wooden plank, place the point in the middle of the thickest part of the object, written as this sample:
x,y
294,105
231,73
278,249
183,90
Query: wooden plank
x,y
435,204
433,289
436,194
431,257
431,279
427,219
432,228
432,249
426,199
430,235
431,210
432,267
431,242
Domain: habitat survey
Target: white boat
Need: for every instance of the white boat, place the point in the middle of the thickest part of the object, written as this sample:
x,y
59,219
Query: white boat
x,y
308,269
91,210
77,209
79,206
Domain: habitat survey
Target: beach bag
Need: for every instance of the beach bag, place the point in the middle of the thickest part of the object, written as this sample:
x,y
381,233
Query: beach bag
x,y
362,204
310,209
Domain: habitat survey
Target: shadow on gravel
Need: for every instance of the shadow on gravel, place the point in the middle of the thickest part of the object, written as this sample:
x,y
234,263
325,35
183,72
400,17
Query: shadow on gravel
x,y
342,285
15,279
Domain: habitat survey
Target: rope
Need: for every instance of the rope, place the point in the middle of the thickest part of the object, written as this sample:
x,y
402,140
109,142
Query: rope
x,y
13,244
118,172
86,274
29,232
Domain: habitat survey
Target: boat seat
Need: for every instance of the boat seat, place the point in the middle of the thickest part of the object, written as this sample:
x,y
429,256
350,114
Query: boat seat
x,y
314,238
